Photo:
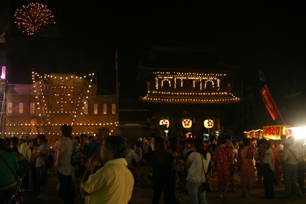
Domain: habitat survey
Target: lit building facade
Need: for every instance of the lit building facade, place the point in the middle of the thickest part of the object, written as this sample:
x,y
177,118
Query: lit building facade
x,y
57,99
186,86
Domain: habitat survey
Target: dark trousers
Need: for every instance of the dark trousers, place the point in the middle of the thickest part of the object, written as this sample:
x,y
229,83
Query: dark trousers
x,y
41,179
268,181
301,177
66,190
165,185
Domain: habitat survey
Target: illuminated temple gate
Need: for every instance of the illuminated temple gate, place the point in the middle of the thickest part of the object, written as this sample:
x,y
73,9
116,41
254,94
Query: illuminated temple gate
x,y
186,86
57,99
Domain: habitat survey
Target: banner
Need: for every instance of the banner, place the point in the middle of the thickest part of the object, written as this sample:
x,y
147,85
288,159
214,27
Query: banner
x,y
272,131
267,99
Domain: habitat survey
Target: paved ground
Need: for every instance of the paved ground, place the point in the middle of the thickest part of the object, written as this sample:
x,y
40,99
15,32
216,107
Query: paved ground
x,y
143,196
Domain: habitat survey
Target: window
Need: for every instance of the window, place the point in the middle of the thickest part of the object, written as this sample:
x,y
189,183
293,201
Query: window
x,y
104,108
113,108
20,107
95,108
86,107
9,107
32,108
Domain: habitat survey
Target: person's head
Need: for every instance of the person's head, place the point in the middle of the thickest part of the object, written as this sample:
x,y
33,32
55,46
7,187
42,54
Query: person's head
x,y
139,139
209,147
260,142
34,142
56,139
187,144
2,145
90,138
173,143
76,139
22,139
8,141
246,142
83,138
198,146
267,144
150,140
221,140
138,144
228,139
146,142
14,141
113,147
66,131
102,133
41,139
212,139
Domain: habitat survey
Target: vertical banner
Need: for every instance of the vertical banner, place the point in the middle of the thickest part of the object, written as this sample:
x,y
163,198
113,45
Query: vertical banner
x,y
32,108
9,107
113,108
104,108
20,107
268,100
95,108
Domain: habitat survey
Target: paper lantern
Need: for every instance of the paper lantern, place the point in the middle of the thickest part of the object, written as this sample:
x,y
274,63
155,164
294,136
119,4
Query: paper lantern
x,y
187,123
209,123
164,122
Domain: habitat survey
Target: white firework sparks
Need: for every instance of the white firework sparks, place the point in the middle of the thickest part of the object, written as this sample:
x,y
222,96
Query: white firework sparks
x,y
32,17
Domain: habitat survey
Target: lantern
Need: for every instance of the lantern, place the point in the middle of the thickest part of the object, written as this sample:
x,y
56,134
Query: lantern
x,y
164,122
187,123
209,123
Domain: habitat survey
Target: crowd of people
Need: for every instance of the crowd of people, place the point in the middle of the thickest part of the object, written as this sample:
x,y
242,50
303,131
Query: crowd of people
x,y
157,163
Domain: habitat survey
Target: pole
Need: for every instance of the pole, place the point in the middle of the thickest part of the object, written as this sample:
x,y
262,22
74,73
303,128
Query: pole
x,y
117,89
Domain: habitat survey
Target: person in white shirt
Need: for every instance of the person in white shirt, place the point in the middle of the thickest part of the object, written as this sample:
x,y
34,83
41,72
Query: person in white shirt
x,y
291,158
268,170
198,161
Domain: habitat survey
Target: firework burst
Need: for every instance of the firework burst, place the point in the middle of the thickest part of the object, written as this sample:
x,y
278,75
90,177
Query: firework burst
x,y
32,17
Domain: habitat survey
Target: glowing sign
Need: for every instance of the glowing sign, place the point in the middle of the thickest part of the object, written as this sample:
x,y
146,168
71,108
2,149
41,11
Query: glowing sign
x,y
3,72
164,122
209,123
187,123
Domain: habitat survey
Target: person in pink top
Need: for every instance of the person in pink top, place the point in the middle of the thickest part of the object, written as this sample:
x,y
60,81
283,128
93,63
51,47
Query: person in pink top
x,y
222,163
247,170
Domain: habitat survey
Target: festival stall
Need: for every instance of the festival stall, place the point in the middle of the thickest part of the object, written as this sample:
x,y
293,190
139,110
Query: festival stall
x,y
274,132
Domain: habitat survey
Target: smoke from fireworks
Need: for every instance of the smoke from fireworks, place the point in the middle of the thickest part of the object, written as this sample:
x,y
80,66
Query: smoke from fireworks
x,y
32,17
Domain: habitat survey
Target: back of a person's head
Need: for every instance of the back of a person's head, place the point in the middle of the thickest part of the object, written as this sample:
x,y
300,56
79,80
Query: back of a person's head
x,y
221,140
66,130
159,144
117,145
138,144
267,143
283,137
228,137
14,140
84,135
246,141
173,143
35,142
8,140
56,139
90,138
77,138
2,145
42,137
199,145
212,138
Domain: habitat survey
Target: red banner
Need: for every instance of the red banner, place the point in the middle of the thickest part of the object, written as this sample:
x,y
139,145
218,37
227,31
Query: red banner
x,y
267,99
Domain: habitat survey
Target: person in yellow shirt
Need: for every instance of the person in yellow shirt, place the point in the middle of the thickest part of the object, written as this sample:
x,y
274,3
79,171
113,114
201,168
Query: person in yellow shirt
x,y
113,183
24,149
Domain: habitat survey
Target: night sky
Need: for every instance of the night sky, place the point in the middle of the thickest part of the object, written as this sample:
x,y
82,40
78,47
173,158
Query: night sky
x,y
253,36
